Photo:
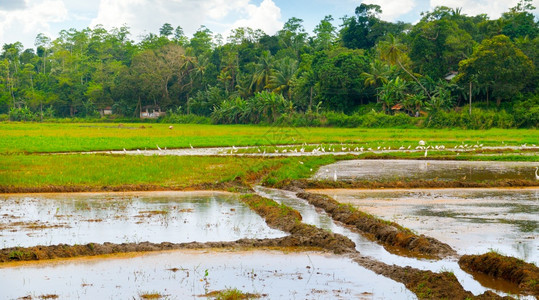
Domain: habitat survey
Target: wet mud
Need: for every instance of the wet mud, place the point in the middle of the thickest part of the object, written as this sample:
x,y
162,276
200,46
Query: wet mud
x,y
423,283
525,275
388,233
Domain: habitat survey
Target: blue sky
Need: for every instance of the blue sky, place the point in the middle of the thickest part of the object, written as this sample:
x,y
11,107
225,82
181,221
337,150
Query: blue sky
x,y
22,20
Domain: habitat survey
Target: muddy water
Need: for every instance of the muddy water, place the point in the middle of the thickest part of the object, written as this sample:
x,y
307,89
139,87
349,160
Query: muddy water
x,y
426,170
472,221
188,274
30,220
314,216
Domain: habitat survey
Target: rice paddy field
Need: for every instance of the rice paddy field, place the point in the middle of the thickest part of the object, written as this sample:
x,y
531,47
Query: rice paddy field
x,y
149,211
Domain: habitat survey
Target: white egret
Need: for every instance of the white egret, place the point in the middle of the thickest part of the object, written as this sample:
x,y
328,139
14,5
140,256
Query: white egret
x,y
138,151
158,147
536,176
125,151
422,143
334,175
426,153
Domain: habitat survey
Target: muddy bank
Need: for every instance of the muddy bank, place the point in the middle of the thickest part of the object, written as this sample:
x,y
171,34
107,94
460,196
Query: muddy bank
x,y
524,274
237,185
389,234
425,284
398,184
287,219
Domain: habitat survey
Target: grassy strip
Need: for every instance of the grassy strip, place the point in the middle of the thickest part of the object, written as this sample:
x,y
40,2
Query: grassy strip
x,y
387,233
526,275
57,173
54,137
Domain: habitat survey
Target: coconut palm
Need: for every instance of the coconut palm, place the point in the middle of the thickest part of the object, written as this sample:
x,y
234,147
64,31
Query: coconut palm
x,y
392,51
378,76
282,75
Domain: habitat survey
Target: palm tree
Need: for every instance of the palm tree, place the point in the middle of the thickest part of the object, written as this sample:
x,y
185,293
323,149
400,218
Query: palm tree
x,y
263,71
377,77
392,51
282,75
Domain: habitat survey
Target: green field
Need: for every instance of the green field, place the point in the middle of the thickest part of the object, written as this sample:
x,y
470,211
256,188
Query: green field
x,y
55,137
23,168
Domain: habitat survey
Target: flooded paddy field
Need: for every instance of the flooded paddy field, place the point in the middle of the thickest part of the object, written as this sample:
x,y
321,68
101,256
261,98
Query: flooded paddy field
x,y
475,283
191,274
177,217
394,169
472,221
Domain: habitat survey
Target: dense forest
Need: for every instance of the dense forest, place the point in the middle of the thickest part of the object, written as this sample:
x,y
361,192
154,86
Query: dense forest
x,y
365,69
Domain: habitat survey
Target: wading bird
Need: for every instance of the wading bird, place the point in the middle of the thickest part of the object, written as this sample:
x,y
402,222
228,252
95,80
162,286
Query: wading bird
x,y
334,175
536,176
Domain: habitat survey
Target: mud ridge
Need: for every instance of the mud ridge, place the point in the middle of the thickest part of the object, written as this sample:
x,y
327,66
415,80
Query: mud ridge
x,y
425,284
526,275
287,219
236,186
387,233
296,185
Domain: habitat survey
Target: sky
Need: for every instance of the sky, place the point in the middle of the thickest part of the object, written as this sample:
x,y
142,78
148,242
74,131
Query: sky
x,y
23,20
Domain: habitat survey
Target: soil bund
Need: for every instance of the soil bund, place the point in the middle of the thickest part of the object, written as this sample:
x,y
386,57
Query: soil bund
x,y
296,185
425,284
389,234
526,275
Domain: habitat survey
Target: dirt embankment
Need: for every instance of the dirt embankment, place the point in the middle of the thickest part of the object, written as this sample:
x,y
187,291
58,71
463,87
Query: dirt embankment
x,y
425,284
388,233
236,185
287,219
526,275
326,184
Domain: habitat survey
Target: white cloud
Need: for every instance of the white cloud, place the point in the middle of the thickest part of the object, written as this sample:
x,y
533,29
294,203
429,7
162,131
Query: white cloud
x,y
267,17
35,18
392,9
149,15
493,8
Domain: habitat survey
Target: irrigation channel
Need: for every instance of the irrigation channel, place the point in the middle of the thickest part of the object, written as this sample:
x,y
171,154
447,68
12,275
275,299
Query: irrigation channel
x,y
212,241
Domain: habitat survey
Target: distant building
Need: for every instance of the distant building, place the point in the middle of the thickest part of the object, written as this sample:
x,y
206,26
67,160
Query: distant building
x,y
105,111
151,112
449,76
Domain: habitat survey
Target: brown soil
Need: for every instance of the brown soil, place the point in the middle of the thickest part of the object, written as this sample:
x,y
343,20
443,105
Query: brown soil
x,y
235,186
425,284
388,233
325,184
526,275
284,218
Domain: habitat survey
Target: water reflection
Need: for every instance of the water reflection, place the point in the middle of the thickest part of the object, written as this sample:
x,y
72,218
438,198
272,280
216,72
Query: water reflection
x,y
155,217
189,274
427,170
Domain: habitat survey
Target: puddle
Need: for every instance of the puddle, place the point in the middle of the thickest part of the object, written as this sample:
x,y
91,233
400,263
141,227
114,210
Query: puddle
x,y
314,216
188,274
177,217
472,221
384,170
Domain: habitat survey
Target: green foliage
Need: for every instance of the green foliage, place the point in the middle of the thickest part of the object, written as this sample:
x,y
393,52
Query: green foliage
x,y
526,112
347,69
22,114
480,119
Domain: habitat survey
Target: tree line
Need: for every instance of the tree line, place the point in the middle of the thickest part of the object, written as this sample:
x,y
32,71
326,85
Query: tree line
x,y
439,64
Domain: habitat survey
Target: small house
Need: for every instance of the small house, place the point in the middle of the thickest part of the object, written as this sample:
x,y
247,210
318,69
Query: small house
x,y
151,112
449,76
105,111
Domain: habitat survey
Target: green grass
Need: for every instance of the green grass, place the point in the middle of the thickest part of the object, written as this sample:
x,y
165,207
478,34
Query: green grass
x,y
55,137
102,170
